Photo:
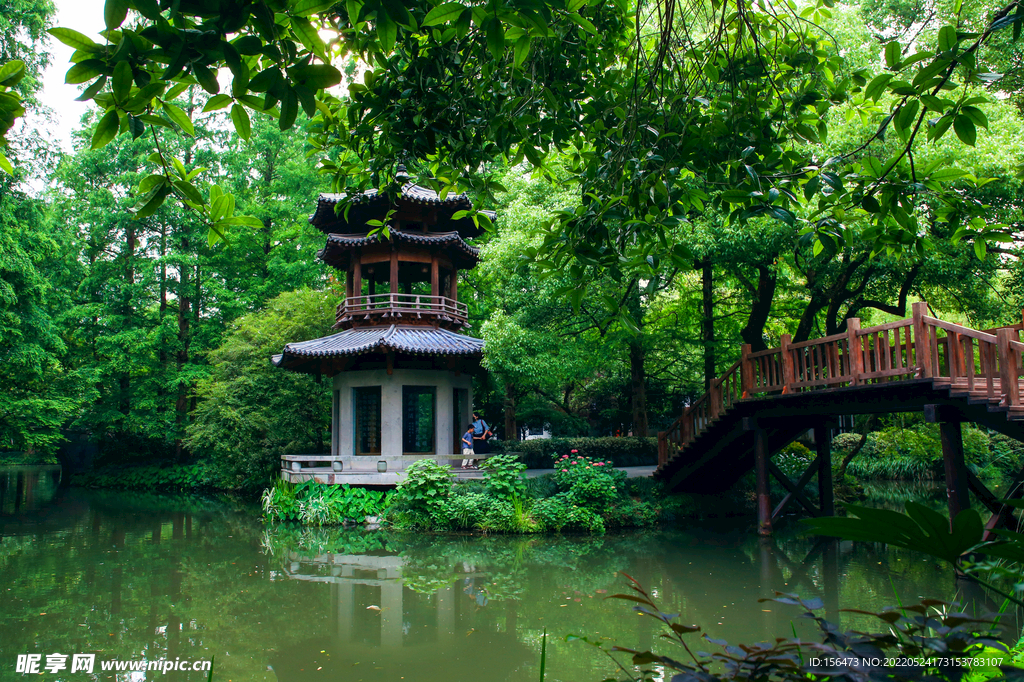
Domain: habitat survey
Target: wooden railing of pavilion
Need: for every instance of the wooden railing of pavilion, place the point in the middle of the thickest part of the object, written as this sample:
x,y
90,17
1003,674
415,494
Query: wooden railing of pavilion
x,y
400,309
975,364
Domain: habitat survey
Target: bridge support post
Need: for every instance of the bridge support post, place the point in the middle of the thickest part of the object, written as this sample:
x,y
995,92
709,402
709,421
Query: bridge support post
x,y
957,476
761,454
823,445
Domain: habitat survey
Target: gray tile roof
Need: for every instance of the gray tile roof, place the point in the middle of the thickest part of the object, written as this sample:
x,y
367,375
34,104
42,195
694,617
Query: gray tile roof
x,y
424,239
410,191
415,340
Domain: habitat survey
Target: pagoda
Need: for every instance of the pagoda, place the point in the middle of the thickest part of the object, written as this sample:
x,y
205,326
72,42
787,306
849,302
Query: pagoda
x,y
401,369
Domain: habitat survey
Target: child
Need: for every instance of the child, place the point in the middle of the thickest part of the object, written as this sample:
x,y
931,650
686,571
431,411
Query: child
x,y
467,449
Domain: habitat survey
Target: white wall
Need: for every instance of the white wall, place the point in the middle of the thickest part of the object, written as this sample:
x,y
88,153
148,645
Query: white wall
x,y
391,406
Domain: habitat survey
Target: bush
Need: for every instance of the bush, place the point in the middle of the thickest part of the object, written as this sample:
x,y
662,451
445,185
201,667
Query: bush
x,y
794,459
250,412
630,513
173,477
504,476
463,511
912,453
559,513
426,487
318,504
508,516
589,484
622,452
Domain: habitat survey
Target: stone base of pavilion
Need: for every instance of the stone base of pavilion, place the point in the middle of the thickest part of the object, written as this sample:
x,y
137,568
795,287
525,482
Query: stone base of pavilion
x,y
337,470
333,469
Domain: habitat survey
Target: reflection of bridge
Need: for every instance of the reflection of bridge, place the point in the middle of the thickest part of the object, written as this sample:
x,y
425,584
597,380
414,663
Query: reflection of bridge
x,y
767,398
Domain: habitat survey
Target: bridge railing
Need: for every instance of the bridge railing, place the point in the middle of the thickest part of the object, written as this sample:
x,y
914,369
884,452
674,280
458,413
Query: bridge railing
x,y
984,364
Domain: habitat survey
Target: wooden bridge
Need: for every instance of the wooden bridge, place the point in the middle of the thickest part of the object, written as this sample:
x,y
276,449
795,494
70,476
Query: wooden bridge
x,y
768,398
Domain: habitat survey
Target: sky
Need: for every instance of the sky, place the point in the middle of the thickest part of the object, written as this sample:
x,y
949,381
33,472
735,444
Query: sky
x,y
85,16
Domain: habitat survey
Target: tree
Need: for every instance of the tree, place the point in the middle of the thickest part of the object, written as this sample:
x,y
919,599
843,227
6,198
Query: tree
x,y
664,107
250,412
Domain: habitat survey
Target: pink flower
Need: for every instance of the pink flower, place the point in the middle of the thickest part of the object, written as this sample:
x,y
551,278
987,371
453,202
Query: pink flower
x,y
565,470
575,451
599,464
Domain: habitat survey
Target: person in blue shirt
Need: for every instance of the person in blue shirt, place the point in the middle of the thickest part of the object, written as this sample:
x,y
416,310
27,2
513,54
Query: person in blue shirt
x,y
481,432
467,449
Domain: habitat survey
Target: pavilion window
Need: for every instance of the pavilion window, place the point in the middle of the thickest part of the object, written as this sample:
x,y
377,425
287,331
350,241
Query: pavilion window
x,y
418,409
366,400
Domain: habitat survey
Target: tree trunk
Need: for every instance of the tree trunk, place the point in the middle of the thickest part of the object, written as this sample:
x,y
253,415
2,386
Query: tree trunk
x,y
161,392
753,332
125,380
511,428
868,425
638,384
184,320
708,326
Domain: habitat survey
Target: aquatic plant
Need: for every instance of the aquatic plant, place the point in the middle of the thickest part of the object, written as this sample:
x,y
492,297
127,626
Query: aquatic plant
x,y
932,640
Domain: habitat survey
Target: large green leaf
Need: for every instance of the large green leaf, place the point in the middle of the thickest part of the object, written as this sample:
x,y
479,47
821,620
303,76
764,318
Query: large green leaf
x,y
920,529
106,129
442,14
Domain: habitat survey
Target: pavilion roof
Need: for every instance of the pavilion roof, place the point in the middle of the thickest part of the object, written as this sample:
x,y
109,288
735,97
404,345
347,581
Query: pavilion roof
x,y
463,255
404,339
372,204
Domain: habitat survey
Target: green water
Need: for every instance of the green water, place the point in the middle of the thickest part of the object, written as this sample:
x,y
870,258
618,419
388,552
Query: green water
x,y
135,577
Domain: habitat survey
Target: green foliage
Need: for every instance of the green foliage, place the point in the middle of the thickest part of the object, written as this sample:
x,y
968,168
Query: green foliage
x,y
321,504
560,513
251,412
426,487
622,452
504,476
462,512
170,477
793,459
912,631
929,532
589,483
914,452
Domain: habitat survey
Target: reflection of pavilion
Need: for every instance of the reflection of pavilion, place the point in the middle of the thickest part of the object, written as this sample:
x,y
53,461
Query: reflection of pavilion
x,y
386,630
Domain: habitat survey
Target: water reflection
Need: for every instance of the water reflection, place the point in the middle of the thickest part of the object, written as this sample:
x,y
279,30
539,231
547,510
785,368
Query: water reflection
x,y
27,488
148,577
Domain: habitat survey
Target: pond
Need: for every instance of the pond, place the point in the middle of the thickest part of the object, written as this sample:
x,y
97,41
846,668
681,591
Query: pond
x,y
148,578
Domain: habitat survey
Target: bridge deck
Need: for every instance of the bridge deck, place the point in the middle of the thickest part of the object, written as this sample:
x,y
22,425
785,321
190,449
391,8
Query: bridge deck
x,y
770,397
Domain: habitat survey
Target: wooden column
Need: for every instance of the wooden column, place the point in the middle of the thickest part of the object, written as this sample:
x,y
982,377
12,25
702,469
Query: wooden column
x,y
761,454
746,371
823,444
394,270
922,353
434,278
954,467
855,351
1009,371
788,371
357,274
957,496
455,284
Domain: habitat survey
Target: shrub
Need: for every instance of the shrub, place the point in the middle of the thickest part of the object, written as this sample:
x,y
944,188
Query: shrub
x,y
504,476
462,511
629,513
176,477
589,484
319,504
540,487
508,516
250,412
426,487
560,513
622,452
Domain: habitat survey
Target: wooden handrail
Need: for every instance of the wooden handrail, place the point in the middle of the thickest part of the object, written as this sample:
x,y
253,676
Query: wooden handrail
x,y
986,364
399,305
